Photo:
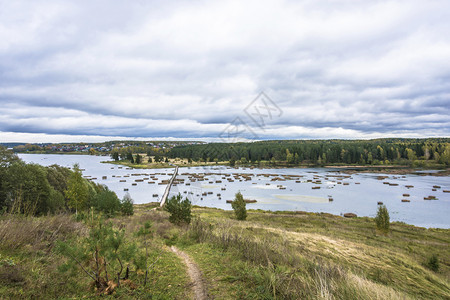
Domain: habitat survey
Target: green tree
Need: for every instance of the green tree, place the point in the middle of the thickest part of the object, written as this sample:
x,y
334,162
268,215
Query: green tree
x,y
107,202
382,219
77,191
138,159
289,157
6,159
126,205
130,157
411,154
232,162
433,263
115,155
238,206
180,210
28,189
101,254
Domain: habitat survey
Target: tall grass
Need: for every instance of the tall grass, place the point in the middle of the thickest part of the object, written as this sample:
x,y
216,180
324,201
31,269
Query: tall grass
x,y
281,271
17,231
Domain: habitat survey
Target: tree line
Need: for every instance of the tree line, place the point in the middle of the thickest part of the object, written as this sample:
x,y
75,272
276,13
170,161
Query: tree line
x,y
321,152
32,189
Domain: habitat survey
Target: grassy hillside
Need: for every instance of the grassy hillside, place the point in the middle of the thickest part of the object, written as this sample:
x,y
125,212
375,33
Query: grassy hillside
x,y
270,255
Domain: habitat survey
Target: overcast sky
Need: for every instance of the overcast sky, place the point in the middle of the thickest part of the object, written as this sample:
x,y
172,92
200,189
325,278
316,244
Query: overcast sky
x,y
102,70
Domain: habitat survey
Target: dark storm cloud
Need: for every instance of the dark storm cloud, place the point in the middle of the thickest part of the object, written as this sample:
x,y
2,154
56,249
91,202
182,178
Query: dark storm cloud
x,y
337,69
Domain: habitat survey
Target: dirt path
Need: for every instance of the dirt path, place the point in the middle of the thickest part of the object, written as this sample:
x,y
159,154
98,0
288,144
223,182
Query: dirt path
x,y
194,273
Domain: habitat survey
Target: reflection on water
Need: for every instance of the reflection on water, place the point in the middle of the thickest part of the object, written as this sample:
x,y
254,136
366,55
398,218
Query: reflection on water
x,y
277,189
302,198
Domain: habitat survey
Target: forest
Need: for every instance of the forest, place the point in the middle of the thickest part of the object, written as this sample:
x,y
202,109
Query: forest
x,y
415,152
32,189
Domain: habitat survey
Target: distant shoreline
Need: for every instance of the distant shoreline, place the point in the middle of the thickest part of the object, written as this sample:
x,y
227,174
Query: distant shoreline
x,y
349,169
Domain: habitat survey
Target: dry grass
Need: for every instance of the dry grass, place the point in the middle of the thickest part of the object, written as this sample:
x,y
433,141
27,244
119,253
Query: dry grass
x,y
37,233
302,257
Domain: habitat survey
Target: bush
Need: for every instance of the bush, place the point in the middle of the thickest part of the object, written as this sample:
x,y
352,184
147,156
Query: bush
x,y
107,202
382,219
126,205
238,206
101,256
433,263
180,210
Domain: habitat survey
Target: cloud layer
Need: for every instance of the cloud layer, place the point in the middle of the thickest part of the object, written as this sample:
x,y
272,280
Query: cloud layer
x,y
186,69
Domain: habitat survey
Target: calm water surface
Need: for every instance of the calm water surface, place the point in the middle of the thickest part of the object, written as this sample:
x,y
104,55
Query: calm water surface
x,y
277,189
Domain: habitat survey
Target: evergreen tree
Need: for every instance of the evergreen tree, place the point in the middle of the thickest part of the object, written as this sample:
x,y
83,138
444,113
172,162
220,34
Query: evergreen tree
x,y
239,207
382,219
180,210
115,155
138,159
126,205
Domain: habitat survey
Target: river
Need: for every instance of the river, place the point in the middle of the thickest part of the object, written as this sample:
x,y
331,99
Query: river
x,y
293,189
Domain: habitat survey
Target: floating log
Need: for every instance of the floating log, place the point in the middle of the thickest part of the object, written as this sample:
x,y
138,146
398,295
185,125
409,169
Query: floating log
x,y
346,183
350,215
246,201
406,200
315,187
134,184
380,203
446,191
250,200
430,198
405,195
409,186
155,195
126,190
393,184
122,180
104,177
330,199
436,186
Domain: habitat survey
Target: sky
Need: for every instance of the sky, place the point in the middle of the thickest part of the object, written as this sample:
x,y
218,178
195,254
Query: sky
x,y
223,70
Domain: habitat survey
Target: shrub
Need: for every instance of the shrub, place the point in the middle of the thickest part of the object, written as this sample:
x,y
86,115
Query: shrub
x,y
382,219
107,202
433,263
103,253
180,210
238,206
126,205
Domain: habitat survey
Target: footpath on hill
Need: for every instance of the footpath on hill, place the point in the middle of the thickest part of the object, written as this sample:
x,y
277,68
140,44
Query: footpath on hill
x,y
195,274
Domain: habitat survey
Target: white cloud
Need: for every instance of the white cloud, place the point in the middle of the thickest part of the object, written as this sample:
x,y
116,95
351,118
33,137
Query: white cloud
x,y
336,68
